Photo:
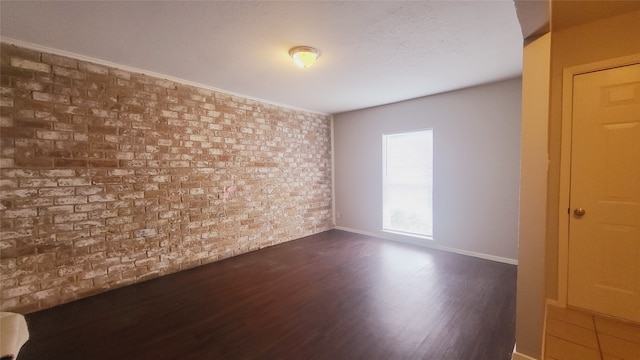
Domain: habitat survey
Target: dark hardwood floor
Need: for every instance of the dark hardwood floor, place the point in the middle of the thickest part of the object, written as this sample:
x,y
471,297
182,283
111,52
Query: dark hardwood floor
x,y
334,295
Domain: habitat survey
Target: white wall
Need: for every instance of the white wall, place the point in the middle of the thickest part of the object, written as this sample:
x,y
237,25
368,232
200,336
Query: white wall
x,y
530,297
476,166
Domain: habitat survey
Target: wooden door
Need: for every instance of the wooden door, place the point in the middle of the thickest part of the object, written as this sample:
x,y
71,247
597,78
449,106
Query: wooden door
x,y
604,225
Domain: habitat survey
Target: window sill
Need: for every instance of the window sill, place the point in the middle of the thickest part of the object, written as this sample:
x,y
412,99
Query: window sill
x,y
413,235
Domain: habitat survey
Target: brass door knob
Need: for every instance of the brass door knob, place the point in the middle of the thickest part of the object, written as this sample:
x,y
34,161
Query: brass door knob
x,y
579,212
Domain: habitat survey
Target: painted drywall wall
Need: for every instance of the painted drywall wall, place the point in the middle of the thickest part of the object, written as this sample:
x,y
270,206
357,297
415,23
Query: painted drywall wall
x,y
530,301
596,41
476,166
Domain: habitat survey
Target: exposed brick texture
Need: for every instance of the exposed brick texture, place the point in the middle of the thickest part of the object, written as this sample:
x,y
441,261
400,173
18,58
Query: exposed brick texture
x,y
110,178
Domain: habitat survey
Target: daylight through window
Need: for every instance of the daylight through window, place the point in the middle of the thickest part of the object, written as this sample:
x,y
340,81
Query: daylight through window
x,y
407,183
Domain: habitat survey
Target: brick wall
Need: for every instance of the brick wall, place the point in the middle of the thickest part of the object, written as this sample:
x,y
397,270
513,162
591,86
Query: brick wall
x,y
110,177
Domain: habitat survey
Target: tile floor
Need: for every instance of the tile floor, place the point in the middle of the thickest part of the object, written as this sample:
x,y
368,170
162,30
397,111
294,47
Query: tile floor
x,y
577,335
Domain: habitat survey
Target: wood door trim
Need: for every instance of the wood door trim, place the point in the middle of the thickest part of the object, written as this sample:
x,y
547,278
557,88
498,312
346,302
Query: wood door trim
x,y
565,160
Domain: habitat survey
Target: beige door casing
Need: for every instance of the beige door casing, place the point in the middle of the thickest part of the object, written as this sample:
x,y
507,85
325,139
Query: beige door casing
x,y
567,218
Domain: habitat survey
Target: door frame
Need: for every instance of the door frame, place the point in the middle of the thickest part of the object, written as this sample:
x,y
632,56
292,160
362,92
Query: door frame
x,y
565,161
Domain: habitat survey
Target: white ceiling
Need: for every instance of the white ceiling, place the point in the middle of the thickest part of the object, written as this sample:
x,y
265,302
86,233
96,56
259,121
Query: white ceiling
x,y
373,52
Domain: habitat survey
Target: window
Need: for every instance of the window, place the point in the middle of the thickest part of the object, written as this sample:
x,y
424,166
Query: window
x,y
407,183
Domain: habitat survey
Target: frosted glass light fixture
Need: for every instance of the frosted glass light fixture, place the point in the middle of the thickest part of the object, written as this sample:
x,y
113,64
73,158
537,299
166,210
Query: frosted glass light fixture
x,y
304,56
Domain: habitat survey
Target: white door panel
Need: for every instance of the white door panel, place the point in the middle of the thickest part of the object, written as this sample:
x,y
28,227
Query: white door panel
x,y
604,243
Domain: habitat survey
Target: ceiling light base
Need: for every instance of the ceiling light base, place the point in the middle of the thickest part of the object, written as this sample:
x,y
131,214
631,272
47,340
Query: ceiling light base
x,y
304,56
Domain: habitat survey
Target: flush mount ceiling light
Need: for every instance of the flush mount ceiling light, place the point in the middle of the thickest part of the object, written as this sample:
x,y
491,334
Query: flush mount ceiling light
x,y
304,56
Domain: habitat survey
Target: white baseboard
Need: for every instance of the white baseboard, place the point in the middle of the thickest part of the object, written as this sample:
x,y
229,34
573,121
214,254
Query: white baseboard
x,y
427,243
517,356
556,303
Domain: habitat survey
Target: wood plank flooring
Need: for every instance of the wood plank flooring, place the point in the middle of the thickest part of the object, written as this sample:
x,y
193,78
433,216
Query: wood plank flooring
x,y
334,295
